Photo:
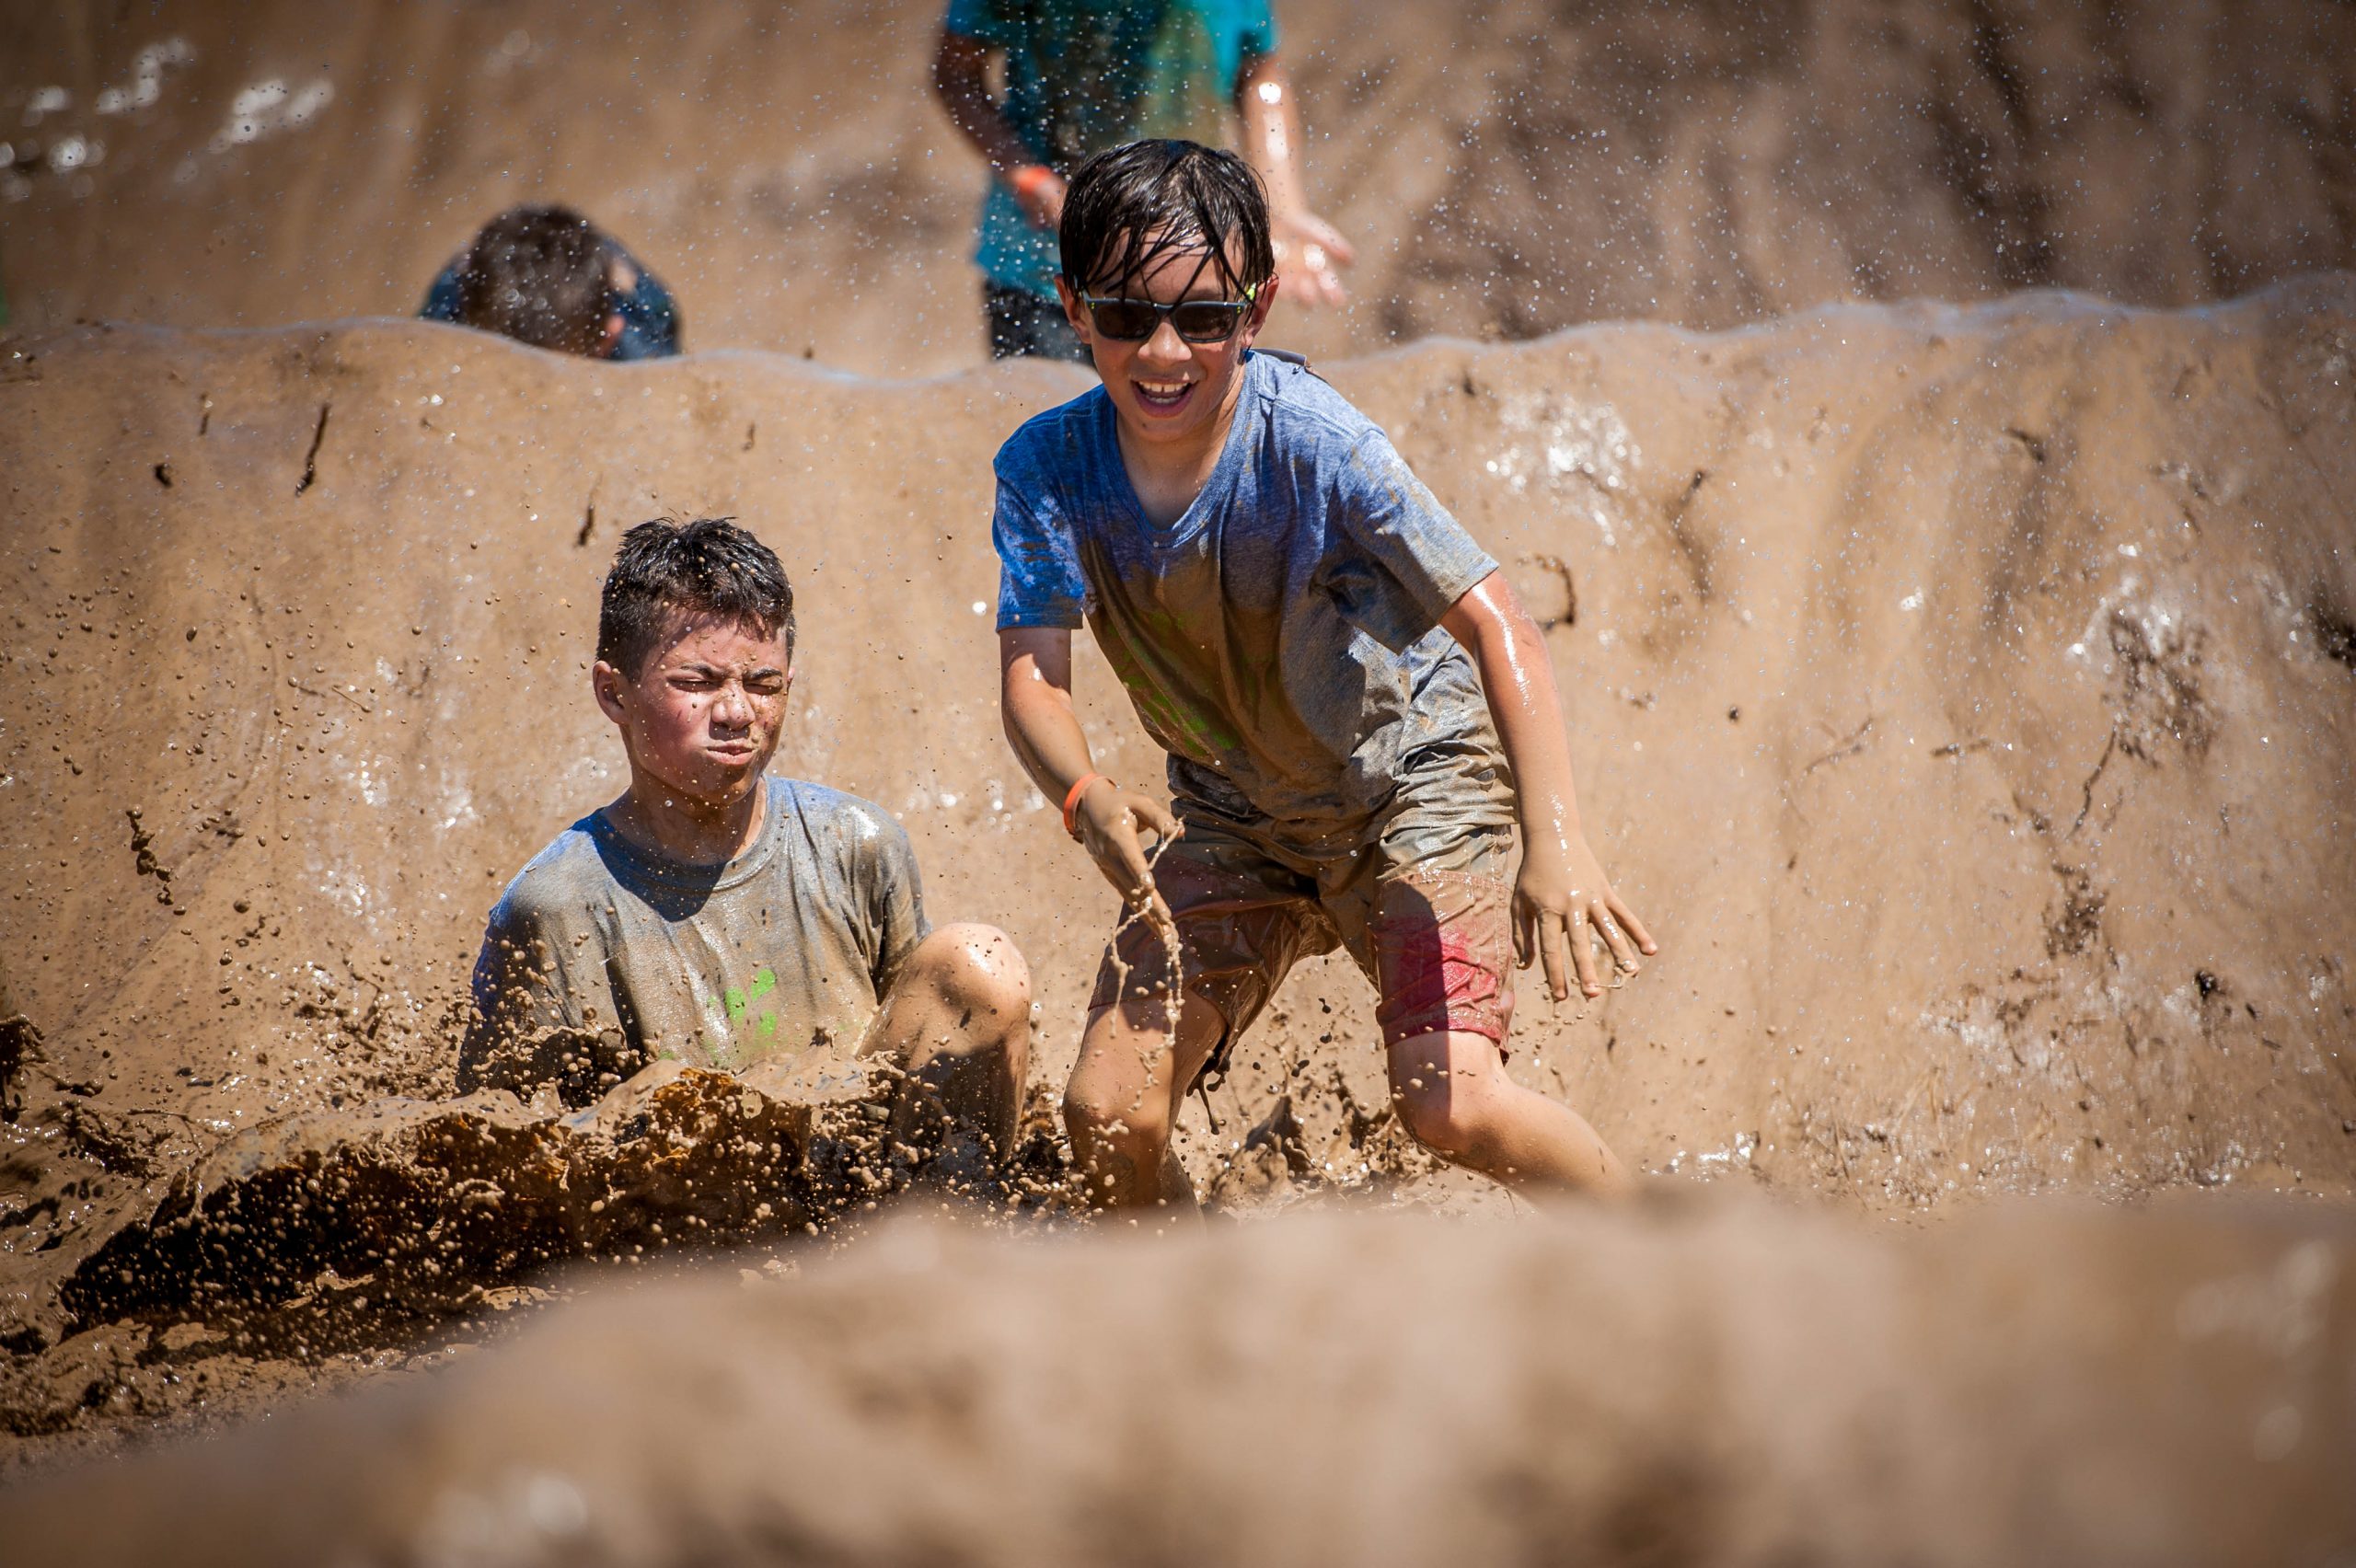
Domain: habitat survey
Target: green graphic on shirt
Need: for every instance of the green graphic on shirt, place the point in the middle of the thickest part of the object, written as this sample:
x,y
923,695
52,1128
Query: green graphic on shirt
x,y
740,1003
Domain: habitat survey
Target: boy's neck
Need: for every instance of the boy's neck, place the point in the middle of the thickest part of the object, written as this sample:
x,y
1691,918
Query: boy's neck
x,y
656,818
1167,475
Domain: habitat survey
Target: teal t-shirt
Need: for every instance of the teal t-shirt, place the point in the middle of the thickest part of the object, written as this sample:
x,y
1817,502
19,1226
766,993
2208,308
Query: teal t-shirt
x,y
1083,75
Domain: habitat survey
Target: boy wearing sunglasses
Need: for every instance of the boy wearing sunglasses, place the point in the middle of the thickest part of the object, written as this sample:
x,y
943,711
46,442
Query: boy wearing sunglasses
x,y
1358,712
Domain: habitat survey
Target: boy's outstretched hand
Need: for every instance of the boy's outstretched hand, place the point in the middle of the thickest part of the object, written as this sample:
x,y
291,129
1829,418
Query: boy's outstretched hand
x,y
1310,254
1560,902
1113,823
1563,899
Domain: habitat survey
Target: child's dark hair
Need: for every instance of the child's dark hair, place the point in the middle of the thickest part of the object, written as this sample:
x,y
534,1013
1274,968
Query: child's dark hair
x,y
538,275
1130,205
708,566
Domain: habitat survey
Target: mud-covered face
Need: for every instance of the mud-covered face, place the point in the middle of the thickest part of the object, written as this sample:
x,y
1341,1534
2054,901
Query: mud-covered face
x,y
1165,388
704,714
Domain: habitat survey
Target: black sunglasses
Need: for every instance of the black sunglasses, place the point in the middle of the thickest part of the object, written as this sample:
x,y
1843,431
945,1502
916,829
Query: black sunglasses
x,y
1194,321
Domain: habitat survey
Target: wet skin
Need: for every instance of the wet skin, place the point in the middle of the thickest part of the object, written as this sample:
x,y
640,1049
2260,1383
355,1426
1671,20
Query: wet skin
x,y
1172,400
700,721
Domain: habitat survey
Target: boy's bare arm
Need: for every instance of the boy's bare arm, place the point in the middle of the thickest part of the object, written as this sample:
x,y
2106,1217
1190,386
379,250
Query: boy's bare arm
x,y
1309,249
1562,889
1034,701
961,79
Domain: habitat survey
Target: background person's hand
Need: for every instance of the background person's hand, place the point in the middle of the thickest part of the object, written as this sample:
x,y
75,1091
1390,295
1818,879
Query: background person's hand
x,y
1111,822
1561,902
1310,254
1039,194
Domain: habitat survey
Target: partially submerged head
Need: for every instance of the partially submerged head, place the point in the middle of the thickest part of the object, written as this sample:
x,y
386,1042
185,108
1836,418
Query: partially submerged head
x,y
542,276
695,652
1167,222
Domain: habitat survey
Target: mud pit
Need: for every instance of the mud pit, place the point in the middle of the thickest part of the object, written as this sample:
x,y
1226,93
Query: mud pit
x,y
1966,696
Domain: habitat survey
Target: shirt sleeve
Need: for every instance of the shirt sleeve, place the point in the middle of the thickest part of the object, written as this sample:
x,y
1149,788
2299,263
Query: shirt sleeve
x,y
988,21
527,983
1424,559
441,297
1040,582
650,325
895,906
1257,30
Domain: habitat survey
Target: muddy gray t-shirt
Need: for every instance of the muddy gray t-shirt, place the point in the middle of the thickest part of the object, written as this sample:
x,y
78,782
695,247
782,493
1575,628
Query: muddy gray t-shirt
x,y
789,945
1281,640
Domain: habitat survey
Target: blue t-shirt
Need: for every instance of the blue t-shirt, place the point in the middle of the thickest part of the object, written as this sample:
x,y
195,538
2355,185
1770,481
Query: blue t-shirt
x,y
1281,640
1083,75
650,315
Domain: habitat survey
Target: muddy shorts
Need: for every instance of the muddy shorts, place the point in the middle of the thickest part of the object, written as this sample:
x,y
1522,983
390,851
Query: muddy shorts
x,y
1426,911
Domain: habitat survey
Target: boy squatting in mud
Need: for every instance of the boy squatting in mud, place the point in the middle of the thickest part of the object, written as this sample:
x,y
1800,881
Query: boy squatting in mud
x,y
727,918
1310,635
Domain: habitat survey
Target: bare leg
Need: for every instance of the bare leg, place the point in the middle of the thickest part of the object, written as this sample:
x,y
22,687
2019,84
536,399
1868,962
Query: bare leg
x,y
957,1027
1124,1095
1452,1092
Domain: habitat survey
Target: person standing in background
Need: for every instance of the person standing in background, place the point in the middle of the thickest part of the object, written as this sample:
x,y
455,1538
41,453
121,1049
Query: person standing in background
x,y
1085,76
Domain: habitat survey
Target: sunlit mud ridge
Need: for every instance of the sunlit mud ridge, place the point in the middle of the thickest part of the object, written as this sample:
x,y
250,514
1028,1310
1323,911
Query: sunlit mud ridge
x,y
1967,697
1696,1383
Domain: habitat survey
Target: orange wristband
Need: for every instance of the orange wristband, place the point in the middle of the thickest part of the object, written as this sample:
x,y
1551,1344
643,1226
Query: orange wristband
x,y
1027,180
1071,801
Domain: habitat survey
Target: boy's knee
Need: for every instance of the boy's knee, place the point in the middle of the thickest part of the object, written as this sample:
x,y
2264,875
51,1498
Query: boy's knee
x,y
1451,1114
1138,1128
977,970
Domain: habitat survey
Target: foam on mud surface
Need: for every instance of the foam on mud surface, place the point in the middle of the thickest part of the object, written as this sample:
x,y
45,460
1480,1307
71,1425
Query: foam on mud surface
x,y
1963,696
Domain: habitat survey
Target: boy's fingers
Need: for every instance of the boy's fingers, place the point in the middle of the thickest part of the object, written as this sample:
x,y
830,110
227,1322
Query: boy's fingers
x,y
1633,926
1134,867
1582,955
1154,816
1523,930
1623,951
1554,941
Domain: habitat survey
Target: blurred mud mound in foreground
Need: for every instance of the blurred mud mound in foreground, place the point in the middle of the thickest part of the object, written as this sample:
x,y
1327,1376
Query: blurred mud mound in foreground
x,y
1506,169
1697,1383
1968,697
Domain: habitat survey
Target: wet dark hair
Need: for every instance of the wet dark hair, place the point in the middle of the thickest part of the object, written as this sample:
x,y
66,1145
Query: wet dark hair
x,y
541,276
709,567
1130,205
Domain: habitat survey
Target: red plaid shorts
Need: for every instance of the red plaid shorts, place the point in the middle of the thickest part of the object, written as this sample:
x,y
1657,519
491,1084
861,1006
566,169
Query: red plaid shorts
x,y
1426,911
